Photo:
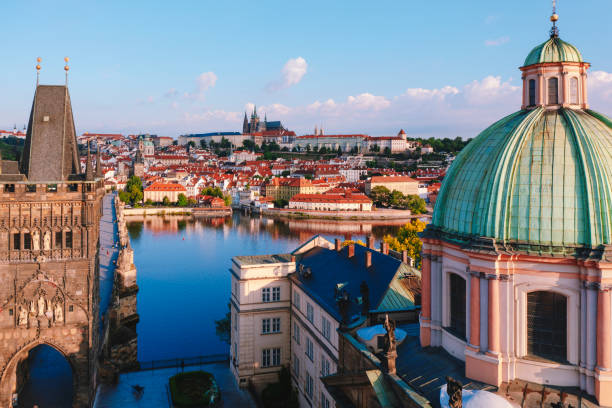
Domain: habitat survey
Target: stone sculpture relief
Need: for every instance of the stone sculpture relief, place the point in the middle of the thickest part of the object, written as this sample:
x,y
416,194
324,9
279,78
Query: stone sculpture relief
x,y
36,240
47,241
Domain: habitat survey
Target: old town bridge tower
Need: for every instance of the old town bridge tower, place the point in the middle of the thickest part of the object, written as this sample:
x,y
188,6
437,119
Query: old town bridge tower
x,y
49,237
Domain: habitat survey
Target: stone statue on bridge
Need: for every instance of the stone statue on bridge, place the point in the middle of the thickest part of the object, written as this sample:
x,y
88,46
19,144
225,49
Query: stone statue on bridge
x,y
23,316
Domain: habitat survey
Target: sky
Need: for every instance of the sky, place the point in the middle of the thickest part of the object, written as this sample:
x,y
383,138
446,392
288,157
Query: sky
x,y
433,68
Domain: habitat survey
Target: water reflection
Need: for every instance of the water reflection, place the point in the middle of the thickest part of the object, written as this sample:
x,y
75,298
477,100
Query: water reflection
x,y
183,271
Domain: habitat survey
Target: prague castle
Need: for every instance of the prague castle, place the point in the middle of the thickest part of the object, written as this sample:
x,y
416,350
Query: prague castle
x,y
517,262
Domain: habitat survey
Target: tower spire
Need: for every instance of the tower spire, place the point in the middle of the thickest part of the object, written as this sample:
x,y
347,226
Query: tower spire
x,y
554,31
88,168
98,161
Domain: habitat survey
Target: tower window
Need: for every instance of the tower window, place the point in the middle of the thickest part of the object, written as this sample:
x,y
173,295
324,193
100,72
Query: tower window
x,y
547,325
532,92
17,241
457,306
574,91
553,91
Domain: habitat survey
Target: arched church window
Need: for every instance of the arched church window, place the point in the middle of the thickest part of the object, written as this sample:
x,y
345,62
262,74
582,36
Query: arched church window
x,y
457,306
547,325
532,92
553,91
574,91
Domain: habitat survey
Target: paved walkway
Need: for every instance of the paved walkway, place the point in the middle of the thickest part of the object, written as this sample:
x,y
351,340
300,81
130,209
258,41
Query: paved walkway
x,y
108,253
155,393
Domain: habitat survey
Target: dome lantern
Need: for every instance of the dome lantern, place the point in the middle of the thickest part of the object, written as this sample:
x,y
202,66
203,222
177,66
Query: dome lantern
x,y
554,74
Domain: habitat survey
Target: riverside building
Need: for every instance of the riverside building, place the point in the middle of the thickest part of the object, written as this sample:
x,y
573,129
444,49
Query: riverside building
x,y
517,262
291,309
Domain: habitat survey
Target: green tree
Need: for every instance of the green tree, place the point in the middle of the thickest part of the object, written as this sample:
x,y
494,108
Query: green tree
x,y
375,148
407,238
203,143
191,144
356,242
182,200
387,151
227,199
224,325
166,201
249,145
225,144
339,151
133,193
285,173
212,191
380,195
280,203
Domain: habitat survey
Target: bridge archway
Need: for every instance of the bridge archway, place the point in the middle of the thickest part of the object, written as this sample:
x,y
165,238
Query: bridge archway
x,y
41,373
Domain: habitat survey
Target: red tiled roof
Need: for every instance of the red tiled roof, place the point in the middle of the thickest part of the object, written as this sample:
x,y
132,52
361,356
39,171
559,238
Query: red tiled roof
x,y
392,179
331,198
165,187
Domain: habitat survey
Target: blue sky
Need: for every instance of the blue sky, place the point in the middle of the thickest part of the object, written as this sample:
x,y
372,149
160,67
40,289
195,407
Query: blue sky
x,y
444,68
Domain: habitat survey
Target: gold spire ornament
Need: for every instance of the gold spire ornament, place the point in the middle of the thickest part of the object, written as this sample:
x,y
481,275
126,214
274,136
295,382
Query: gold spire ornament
x,y
66,68
554,31
38,60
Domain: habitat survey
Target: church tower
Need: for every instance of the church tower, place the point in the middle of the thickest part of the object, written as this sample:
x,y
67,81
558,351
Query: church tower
x,y
49,241
517,276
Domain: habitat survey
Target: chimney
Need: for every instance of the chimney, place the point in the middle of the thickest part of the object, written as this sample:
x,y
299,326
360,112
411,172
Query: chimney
x,y
338,246
292,258
370,241
351,250
405,256
384,248
368,260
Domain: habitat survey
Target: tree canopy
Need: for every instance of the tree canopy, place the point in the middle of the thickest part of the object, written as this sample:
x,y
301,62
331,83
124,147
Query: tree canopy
x,y
132,194
407,238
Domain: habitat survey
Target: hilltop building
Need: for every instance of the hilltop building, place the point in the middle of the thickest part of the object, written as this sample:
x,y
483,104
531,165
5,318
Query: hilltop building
x,y
517,261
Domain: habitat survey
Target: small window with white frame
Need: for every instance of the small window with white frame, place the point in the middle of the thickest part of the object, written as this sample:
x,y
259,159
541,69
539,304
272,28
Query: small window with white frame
x,y
296,332
265,326
309,385
276,325
296,299
325,327
276,294
265,295
309,349
310,312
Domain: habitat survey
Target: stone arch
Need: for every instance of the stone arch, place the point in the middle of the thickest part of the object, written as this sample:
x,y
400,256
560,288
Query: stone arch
x,y
9,375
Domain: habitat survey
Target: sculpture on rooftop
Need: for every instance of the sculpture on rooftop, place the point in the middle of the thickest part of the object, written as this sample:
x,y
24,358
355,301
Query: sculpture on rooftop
x,y
390,340
454,389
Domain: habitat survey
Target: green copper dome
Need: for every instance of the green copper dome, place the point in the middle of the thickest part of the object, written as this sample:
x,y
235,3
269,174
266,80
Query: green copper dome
x,y
537,180
553,50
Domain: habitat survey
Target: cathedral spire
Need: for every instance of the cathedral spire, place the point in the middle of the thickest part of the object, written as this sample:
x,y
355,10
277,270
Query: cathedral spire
x,y
98,161
88,167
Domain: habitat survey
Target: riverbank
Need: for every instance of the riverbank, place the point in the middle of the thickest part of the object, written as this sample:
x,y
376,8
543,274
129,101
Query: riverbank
x,y
380,214
191,211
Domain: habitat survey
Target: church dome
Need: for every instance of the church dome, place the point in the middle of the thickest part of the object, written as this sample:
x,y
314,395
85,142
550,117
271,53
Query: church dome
x,y
537,181
553,50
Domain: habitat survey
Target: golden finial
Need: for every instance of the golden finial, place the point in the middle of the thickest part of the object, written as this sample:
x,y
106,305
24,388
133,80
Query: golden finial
x,y
38,60
66,68
554,31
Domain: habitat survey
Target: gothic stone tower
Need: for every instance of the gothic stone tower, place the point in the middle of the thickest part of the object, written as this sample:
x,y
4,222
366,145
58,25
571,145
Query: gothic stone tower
x,y
49,237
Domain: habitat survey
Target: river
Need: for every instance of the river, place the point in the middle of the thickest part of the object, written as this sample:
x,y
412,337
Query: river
x,y
183,272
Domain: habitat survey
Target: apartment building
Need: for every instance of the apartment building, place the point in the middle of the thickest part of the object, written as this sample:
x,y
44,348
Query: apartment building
x,y
290,310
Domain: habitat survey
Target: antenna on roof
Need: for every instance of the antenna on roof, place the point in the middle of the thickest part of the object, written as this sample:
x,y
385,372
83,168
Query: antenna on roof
x,y
66,68
38,60
554,31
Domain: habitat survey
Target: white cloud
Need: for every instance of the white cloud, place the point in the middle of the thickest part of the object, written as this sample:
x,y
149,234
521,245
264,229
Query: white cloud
x,y
204,81
367,101
497,41
422,93
489,89
210,115
491,19
600,88
292,73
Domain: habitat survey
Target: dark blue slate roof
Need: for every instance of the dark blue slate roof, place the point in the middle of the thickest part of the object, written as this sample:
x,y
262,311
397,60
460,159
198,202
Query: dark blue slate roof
x,y
330,268
274,125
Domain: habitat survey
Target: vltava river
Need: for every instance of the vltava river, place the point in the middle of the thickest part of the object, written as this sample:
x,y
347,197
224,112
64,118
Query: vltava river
x,y
183,272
